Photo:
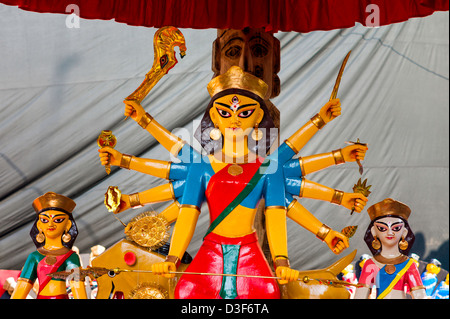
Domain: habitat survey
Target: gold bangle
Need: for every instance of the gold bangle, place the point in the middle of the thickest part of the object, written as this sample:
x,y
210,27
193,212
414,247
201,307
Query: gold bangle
x,y
172,259
145,120
125,161
338,157
323,232
135,201
302,167
318,121
337,197
281,261
291,204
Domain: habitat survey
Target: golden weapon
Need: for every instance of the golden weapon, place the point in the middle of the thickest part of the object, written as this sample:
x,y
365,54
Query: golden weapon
x,y
106,138
361,169
112,201
96,272
361,188
339,76
164,42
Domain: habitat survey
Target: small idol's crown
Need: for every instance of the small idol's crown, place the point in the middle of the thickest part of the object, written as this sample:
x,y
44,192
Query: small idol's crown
x,y
236,78
388,207
51,200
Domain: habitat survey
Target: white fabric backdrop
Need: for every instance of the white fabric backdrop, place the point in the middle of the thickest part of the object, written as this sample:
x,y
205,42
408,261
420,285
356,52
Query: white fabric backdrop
x,y
60,87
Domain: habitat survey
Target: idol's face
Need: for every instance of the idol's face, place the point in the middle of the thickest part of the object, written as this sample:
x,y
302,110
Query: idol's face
x,y
389,230
53,223
236,115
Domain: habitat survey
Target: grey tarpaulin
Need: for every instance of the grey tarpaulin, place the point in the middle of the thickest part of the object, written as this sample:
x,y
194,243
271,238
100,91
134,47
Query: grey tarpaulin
x,y
59,87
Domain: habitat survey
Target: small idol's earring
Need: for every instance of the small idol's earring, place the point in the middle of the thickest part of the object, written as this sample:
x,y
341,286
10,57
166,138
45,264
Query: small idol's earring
x,y
215,133
66,237
40,238
403,244
257,135
376,243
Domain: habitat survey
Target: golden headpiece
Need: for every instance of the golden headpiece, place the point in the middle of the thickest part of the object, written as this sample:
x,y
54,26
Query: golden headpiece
x,y
236,78
52,200
388,207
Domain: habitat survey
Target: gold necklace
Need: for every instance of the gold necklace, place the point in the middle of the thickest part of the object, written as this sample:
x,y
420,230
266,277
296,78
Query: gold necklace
x,y
390,262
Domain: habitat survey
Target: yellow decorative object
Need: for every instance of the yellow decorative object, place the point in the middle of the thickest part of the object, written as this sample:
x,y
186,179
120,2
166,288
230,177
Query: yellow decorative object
x,y
164,42
349,231
148,291
361,188
339,76
112,198
148,230
106,139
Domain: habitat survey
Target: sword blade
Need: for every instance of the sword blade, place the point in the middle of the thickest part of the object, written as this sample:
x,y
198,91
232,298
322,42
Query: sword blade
x,y
339,76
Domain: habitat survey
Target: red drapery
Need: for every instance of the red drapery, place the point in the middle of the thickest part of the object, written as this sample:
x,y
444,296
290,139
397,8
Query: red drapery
x,y
274,15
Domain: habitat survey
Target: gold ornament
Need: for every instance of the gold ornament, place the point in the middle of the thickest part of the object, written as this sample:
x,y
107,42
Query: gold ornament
x,y
215,133
112,198
66,237
403,244
148,291
235,170
148,230
257,135
376,243
40,238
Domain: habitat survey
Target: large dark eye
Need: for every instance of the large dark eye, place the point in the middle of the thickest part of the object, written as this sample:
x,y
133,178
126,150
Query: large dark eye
x,y
223,113
233,52
397,228
59,220
381,228
43,220
259,50
246,113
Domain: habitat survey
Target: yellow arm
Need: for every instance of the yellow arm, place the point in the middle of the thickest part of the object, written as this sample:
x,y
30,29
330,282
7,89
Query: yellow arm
x,y
277,238
181,237
170,141
336,241
327,113
156,194
78,289
157,168
309,189
22,289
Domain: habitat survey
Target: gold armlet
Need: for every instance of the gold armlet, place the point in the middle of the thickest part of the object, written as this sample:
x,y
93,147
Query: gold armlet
x,y
337,197
318,121
338,157
291,146
145,120
281,261
302,187
135,201
323,232
125,161
302,167
173,259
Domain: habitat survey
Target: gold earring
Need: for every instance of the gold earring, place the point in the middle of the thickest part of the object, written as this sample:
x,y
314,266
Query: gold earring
x,y
376,243
257,135
215,133
403,244
40,238
66,237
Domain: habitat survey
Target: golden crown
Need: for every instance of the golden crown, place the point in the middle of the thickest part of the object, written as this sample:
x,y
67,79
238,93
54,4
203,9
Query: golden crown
x,y
55,201
388,207
236,78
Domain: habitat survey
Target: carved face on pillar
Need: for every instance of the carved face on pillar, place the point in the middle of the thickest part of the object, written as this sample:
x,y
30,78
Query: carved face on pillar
x,y
253,50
